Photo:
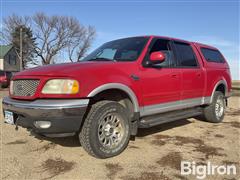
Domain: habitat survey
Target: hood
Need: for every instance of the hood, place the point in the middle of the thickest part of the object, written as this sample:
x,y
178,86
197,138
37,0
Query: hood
x,y
66,69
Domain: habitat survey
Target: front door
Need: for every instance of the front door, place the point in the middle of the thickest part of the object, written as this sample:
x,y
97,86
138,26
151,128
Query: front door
x,y
161,84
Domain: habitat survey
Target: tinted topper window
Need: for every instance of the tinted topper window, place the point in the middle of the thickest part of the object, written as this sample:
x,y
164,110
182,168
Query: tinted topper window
x,y
212,55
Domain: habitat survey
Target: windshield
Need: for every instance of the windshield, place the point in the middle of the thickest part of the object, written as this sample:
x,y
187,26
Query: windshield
x,y
127,49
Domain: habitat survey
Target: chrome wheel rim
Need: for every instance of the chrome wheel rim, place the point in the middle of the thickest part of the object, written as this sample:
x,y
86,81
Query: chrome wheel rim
x,y
219,107
111,130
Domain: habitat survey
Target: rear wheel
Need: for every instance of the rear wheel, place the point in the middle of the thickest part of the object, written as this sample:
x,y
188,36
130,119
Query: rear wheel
x,y
215,112
105,132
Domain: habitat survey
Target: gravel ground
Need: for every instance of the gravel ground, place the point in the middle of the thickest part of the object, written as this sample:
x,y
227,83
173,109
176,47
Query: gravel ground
x,y
155,153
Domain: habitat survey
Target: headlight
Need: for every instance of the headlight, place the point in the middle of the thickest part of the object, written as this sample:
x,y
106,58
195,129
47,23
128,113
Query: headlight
x,y
61,86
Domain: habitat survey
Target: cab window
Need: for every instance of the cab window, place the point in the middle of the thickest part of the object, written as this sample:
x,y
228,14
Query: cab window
x,y
164,46
185,54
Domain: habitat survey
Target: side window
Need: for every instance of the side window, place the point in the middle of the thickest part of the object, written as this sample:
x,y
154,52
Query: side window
x,y
165,47
9,59
185,55
14,59
212,55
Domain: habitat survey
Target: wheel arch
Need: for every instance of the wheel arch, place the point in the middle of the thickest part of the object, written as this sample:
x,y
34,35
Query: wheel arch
x,y
219,85
117,86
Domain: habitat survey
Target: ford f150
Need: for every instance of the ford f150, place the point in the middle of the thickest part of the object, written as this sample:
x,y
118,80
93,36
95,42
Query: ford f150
x,y
125,84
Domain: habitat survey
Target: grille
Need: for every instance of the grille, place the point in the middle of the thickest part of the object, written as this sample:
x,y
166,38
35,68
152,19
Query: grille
x,y
25,87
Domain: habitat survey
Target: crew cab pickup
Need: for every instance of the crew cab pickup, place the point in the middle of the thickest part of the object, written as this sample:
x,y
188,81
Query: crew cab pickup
x,y
125,84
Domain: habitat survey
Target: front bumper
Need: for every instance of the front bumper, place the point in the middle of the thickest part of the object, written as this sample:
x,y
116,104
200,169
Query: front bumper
x,y
65,115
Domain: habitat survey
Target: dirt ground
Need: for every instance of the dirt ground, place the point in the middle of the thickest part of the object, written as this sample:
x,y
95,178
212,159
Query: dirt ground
x,y
156,153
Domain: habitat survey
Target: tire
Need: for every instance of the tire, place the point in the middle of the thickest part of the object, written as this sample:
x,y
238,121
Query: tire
x,y
216,110
105,132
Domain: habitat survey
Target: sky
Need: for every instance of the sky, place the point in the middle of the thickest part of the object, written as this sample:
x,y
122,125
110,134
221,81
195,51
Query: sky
x,y
207,21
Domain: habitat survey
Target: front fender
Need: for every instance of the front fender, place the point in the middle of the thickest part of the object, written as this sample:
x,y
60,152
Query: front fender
x,y
119,86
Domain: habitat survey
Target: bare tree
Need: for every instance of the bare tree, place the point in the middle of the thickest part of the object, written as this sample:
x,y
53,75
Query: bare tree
x,y
3,39
14,27
10,23
56,33
80,44
53,34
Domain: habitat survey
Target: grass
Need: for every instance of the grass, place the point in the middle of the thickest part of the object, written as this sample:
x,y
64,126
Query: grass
x,y
236,87
236,84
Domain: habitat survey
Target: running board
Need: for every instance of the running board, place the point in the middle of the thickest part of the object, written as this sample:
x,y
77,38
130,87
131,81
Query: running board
x,y
153,120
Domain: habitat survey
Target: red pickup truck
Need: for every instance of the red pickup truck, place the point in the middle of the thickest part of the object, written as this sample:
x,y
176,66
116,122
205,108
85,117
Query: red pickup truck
x,y
126,84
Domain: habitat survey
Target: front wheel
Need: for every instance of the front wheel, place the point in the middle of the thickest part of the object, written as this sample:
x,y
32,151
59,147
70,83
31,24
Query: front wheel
x,y
216,110
105,132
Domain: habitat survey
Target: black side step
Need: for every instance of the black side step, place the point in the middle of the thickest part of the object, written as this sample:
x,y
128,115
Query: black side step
x,y
153,120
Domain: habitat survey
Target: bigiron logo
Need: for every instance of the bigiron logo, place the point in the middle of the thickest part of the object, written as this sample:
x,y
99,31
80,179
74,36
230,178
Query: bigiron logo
x,y
208,169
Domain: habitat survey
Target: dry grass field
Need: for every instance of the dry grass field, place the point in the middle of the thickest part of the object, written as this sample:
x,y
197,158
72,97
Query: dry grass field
x,y
236,87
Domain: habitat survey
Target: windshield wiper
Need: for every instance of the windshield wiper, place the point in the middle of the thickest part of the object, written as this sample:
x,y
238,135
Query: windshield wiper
x,y
101,59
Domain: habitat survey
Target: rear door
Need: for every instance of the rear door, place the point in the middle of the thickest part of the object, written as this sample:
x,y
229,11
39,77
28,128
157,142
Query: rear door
x,y
193,78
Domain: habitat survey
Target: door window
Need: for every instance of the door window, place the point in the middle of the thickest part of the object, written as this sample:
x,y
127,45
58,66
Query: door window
x,y
186,56
164,46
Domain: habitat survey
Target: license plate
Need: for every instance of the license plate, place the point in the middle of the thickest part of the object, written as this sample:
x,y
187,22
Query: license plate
x,y
9,117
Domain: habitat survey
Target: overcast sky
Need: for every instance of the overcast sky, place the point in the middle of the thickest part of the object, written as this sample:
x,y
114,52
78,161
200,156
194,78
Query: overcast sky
x,y
211,22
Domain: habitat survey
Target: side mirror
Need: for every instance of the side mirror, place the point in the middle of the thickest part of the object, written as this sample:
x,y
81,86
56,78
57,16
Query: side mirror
x,y
157,57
